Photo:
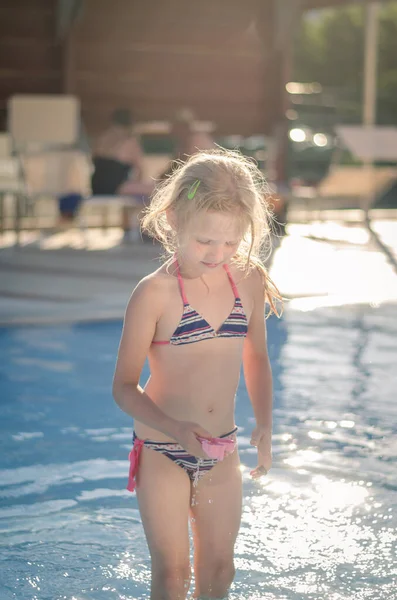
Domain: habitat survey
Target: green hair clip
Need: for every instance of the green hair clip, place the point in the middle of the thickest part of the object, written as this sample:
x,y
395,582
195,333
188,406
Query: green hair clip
x,y
193,189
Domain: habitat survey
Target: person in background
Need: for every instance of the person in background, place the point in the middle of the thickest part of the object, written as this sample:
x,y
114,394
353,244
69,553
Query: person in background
x,y
186,140
118,164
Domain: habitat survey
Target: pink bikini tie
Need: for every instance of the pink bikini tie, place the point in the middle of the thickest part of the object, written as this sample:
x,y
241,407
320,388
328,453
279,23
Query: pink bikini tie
x,y
217,448
134,463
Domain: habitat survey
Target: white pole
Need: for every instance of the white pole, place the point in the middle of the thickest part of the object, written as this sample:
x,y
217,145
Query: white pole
x,y
371,62
370,85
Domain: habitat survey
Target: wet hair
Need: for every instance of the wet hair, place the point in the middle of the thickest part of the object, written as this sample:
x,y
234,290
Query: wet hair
x,y
122,116
228,183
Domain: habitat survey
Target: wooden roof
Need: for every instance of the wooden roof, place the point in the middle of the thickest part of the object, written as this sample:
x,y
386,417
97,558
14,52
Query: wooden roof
x,y
224,59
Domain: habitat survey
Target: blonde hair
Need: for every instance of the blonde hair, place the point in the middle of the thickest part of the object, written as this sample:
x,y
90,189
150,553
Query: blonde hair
x,y
224,181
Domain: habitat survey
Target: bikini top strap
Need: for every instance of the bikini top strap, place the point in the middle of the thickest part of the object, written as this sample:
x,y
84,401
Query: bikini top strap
x,y
180,281
234,287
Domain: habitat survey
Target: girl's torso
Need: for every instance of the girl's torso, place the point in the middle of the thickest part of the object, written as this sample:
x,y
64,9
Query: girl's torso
x,y
197,381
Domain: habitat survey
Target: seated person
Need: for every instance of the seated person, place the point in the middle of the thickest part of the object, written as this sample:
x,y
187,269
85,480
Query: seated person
x,y
118,163
186,140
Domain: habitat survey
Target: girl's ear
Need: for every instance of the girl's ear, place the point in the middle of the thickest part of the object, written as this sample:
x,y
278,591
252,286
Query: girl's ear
x,y
171,218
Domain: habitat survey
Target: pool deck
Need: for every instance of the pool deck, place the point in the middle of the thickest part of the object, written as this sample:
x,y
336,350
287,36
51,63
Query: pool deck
x,y
66,278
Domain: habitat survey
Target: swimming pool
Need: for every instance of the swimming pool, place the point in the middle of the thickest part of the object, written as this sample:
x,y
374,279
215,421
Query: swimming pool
x,y
320,526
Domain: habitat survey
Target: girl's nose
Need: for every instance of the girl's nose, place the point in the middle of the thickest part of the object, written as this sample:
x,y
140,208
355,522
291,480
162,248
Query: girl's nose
x,y
216,255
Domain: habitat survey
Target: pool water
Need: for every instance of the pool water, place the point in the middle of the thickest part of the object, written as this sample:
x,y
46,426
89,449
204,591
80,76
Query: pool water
x,y
321,525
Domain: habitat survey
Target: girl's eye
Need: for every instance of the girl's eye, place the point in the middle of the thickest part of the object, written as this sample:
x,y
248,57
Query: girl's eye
x,y
206,243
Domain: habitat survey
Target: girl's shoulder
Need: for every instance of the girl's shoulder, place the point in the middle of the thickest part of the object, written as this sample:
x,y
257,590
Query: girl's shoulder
x,y
251,279
155,286
249,285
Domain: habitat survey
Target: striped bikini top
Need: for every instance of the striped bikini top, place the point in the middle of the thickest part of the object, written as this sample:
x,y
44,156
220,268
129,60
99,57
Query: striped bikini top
x,y
194,328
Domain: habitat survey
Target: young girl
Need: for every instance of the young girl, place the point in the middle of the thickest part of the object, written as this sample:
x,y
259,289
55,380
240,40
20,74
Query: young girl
x,y
197,318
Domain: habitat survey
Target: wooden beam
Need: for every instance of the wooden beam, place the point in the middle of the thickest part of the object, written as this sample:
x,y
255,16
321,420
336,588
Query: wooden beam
x,y
317,4
67,12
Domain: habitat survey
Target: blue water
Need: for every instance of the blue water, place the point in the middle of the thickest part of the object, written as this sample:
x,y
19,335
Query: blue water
x,y
320,526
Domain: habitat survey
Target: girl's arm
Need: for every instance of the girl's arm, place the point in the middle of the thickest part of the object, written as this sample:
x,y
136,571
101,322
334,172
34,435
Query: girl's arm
x,y
258,376
140,320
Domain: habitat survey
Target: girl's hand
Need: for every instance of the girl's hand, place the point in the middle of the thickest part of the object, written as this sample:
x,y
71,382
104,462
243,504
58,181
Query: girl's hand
x,y
186,435
262,438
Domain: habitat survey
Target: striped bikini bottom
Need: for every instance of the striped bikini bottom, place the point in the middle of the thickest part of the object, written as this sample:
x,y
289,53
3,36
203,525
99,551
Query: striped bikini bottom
x,y
195,467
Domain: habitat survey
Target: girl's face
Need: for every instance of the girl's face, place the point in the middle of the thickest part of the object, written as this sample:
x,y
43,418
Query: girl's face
x,y
211,240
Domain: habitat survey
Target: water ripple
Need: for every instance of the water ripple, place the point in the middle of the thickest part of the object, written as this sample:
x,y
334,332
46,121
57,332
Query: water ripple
x,y
322,525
